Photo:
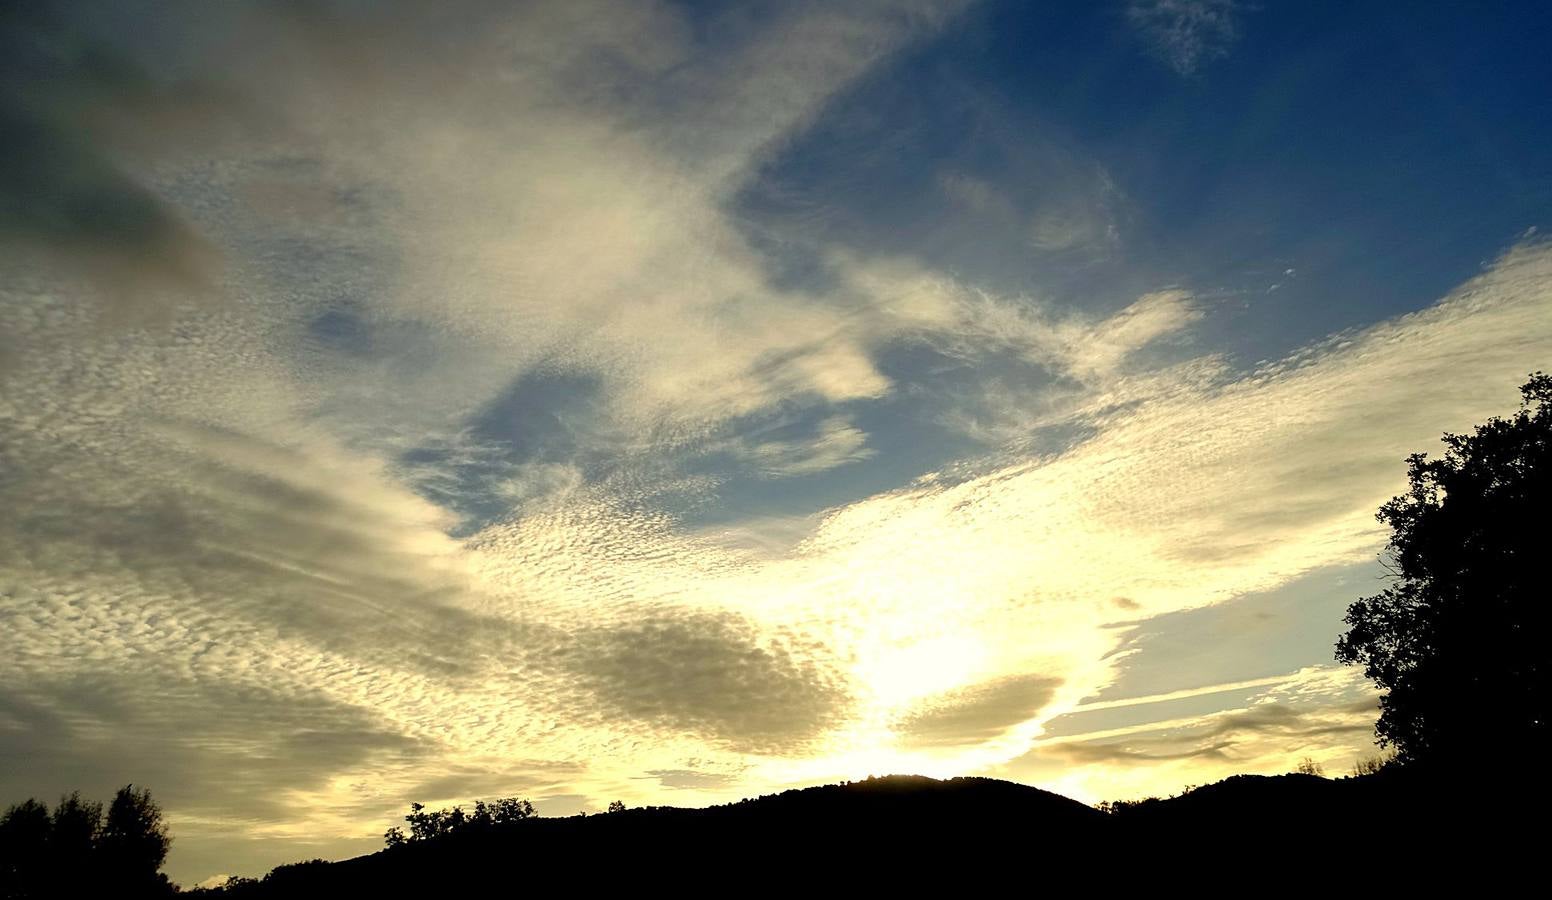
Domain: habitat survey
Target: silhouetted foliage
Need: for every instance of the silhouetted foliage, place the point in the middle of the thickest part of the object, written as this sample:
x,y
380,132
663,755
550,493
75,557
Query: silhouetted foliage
x,y
74,834
134,841
24,834
1308,766
1126,807
1459,642
511,809
428,825
78,852
1371,765
616,806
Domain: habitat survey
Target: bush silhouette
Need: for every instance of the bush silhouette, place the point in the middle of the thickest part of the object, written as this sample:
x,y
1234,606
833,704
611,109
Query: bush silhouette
x,y
1458,641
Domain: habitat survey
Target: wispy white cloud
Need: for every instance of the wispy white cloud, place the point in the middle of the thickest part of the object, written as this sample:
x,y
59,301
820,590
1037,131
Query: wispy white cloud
x,y
1185,34
834,442
1322,713
1075,210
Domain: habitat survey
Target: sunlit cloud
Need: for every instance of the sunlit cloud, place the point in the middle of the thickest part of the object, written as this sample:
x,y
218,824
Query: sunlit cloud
x,y
1322,714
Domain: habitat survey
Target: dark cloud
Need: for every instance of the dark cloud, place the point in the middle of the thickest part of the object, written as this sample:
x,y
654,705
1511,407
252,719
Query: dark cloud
x,y
66,199
709,674
980,712
1219,736
519,778
234,759
1276,718
1124,753
206,749
77,116
689,779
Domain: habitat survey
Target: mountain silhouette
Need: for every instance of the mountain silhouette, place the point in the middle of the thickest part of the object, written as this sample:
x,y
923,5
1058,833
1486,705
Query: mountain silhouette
x,y
914,834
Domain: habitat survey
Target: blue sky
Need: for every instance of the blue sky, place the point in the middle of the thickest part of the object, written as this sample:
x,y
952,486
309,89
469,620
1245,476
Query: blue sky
x,y
671,402
1307,139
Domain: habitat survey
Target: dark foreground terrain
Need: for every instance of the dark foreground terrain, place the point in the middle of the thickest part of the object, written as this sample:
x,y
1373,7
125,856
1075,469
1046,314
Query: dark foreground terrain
x,y
1255,834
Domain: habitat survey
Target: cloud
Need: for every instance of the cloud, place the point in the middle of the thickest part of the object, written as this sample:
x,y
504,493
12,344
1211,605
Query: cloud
x,y
690,778
77,115
1324,713
980,712
1064,204
713,675
1199,490
212,752
835,442
1186,34
617,205
284,539
427,489
978,195
974,325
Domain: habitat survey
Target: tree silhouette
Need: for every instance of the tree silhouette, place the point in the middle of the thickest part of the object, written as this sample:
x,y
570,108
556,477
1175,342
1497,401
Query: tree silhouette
x,y
134,840
1458,642
74,833
428,824
76,852
24,833
511,809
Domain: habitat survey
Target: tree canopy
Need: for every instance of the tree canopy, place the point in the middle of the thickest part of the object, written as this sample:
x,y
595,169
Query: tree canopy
x,y
428,825
77,851
1459,641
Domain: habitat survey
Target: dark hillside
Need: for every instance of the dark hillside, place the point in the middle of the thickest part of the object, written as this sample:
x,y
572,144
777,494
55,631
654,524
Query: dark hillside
x,y
904,827
1324,826
909,833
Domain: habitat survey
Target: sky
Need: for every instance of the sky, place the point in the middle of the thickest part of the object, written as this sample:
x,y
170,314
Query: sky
x,y
672,402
